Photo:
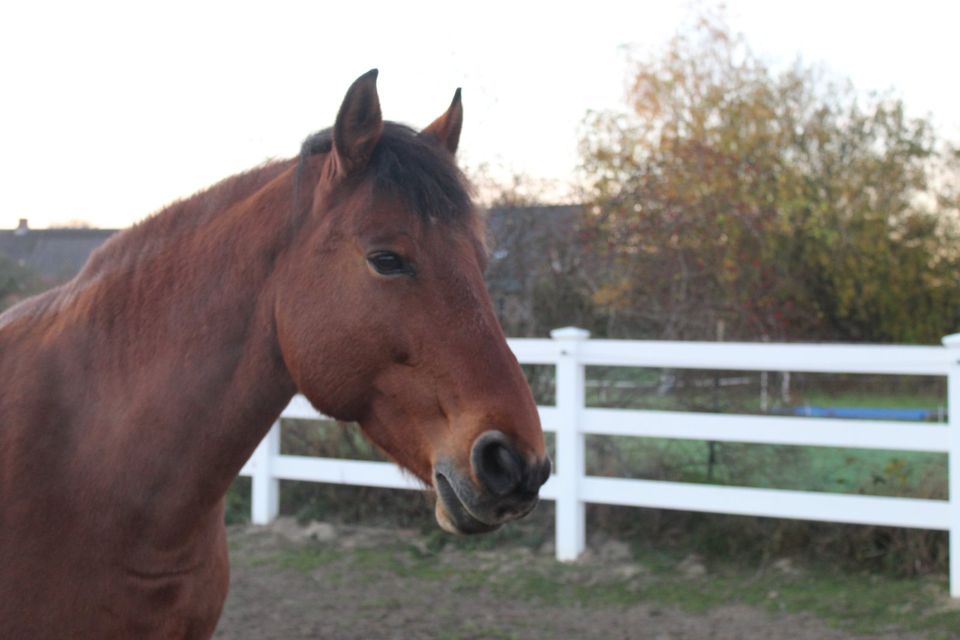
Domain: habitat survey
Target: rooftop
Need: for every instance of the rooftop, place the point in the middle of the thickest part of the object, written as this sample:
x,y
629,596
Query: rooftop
x,y
54,254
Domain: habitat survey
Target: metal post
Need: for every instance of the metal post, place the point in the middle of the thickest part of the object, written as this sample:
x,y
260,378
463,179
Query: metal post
x,y
952,342
265,501
571,518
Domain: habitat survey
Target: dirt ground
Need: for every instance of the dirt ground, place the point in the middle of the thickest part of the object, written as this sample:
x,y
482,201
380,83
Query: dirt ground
x,y
321,581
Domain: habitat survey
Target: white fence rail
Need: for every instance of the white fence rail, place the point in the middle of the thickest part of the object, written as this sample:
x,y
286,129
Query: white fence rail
x,y
570,351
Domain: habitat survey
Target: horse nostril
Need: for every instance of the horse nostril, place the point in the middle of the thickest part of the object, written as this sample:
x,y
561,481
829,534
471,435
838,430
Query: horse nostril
x,y
538,476
496,465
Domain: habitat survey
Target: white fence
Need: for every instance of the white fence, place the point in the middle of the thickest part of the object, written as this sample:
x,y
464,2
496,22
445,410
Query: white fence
x,y
570,351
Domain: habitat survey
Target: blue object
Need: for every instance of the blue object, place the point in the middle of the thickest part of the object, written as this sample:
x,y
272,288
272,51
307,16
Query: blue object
x,y
863,413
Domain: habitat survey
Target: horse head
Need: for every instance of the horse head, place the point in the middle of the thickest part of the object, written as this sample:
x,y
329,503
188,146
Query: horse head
x,y
383,317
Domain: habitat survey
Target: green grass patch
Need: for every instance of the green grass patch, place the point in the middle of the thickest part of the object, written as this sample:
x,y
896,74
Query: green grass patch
x,y
834,470
307,558
915,400
753,392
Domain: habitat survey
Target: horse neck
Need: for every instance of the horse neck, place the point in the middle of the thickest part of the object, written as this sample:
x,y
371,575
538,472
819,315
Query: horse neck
x,y
189,369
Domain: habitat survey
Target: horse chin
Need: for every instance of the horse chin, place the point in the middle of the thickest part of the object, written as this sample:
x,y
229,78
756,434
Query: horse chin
x,y
453,516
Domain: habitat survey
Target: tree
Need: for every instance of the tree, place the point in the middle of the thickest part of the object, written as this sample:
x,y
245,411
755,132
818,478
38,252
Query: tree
x,y
16,282
778,205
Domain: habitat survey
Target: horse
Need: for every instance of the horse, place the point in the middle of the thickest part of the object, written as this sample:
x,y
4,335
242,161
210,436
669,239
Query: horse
x,y
132,395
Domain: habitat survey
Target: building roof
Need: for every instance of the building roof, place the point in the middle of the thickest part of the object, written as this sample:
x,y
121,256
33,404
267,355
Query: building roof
x,y
523,241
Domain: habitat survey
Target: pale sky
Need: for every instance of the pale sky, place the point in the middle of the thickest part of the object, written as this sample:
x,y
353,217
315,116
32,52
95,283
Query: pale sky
x,y
109,111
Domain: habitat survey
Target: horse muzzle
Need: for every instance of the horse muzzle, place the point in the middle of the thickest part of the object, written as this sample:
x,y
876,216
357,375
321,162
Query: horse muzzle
x,y
504,486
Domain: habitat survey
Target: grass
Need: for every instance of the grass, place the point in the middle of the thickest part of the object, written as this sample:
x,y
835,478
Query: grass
x,y
834,470
856,603
919,400
307,558
746,392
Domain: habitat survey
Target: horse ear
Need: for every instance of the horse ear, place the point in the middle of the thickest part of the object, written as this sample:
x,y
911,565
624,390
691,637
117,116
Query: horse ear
x,y
446,128
358,126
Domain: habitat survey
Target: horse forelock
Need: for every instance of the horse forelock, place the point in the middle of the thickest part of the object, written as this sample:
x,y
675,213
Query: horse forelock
x,y
418,171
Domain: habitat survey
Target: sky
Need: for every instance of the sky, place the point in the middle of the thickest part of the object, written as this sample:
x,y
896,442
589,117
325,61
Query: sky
x,y
111,110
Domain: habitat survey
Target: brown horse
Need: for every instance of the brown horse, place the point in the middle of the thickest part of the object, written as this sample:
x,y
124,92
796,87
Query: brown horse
x,y
131,396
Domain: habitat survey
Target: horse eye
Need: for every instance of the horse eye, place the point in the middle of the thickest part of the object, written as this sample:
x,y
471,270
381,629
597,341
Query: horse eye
x,y
388,263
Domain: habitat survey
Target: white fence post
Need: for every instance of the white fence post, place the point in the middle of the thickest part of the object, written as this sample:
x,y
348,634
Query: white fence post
x,y
571,517
952,342
265,501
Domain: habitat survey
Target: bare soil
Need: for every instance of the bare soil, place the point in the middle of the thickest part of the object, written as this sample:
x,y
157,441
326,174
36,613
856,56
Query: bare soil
x,y
321,581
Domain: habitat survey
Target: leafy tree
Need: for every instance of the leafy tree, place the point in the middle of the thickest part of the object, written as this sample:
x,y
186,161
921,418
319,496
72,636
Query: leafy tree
x,y
16,282
731,198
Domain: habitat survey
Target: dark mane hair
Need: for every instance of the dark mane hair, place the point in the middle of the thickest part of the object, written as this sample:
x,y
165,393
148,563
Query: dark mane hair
x,y
410,167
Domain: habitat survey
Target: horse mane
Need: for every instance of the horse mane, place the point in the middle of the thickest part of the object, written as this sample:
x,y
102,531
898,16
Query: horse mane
x,y
182,216
407,165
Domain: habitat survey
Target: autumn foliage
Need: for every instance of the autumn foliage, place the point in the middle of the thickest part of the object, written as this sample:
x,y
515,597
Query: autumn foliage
x,y
730,200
